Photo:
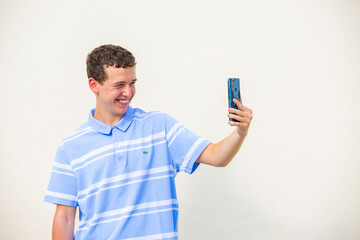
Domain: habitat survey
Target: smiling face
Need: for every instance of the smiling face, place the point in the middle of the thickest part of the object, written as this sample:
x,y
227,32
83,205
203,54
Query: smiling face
x,y
114,95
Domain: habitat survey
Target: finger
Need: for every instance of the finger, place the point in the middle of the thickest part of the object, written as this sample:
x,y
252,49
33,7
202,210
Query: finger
x,y
239,118
241,106
231,123
236,101
239,112
237,124
238,104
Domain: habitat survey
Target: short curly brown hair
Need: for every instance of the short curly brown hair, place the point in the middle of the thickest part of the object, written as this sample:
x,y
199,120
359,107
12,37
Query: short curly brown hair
x,y
106,56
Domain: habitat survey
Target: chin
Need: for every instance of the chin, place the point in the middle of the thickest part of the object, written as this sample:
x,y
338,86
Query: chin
x,y
122,111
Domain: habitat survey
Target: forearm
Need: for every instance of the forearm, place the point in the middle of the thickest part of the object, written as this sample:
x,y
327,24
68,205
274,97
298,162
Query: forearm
x,y
63,229
220,154
226,149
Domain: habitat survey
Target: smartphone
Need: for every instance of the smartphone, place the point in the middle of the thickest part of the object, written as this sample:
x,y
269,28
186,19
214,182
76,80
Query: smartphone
x,y
233,92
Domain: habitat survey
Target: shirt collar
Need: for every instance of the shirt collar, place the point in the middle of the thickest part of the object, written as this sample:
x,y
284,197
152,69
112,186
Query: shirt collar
x,y
122,125
126,120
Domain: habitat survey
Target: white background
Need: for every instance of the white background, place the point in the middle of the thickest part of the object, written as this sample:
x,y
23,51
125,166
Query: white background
x,y
297,174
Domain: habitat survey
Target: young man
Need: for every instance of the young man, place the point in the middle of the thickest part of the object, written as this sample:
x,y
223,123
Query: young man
x,y
119,167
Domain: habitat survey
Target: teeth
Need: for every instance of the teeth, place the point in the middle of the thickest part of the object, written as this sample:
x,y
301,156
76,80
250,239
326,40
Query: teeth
x,y
123,101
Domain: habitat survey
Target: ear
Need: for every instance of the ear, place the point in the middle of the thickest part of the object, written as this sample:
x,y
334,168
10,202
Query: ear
x,y
93,84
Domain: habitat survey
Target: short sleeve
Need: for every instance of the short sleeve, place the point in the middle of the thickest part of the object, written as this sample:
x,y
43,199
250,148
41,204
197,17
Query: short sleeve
x,y
184,146
63,185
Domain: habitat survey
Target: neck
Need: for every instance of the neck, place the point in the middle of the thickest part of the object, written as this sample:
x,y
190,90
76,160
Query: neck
x,y
105,117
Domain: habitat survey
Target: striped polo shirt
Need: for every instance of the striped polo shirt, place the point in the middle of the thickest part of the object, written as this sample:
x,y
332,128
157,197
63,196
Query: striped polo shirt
x,y
122,177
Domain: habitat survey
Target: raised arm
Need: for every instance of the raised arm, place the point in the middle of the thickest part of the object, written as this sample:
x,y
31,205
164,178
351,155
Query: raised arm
x,y
64,223
221,153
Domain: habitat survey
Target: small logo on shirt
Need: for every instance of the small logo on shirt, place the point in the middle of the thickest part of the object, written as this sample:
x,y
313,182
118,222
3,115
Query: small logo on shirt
x,y
145,152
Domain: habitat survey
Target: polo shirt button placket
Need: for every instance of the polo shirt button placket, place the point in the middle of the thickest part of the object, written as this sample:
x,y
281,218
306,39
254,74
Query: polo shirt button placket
x,y
118,153
117,146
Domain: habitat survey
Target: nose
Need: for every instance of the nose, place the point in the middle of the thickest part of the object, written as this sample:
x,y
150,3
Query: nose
x,y
126,91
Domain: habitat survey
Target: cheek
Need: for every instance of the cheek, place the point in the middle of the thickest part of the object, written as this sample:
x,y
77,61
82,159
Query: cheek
x,y
114,93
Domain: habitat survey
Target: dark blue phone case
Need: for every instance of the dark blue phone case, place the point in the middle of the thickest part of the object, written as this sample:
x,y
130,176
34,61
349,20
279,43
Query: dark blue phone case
x,y
233,92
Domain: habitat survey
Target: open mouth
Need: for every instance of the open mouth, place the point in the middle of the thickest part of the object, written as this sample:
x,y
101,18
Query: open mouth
x,y
123,101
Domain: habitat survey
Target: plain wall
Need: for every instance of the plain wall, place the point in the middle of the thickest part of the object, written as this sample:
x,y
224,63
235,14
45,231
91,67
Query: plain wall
x,y
297,174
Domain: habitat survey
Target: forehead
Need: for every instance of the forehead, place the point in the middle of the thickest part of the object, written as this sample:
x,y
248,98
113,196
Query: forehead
x,y
114,74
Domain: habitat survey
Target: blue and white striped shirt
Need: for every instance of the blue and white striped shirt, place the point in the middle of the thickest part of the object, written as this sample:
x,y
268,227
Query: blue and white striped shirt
x,y
122,177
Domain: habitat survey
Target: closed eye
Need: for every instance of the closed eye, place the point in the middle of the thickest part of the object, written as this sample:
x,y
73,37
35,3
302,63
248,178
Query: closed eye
x,y
122,84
